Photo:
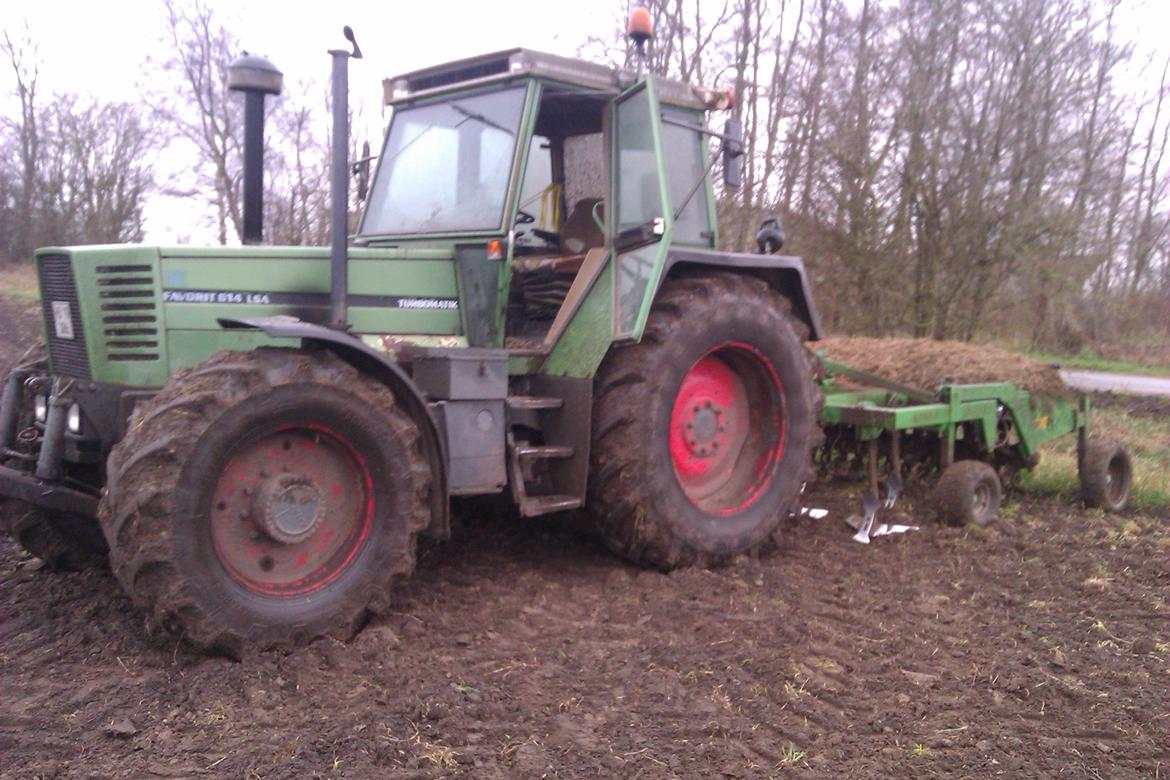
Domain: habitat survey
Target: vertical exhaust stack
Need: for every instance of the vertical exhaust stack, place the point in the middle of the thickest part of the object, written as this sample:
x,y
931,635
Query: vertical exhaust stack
x,y
256,77
339,187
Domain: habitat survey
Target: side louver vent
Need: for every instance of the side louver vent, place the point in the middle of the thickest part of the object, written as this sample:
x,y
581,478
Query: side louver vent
x,y
63,317
129,312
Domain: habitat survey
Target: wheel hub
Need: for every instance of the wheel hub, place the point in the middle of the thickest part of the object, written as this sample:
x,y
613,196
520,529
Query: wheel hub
x,y
705,431
290,510
726,429
288,507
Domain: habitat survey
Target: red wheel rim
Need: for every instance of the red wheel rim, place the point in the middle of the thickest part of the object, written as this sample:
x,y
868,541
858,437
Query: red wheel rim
x,y
290,510
727,429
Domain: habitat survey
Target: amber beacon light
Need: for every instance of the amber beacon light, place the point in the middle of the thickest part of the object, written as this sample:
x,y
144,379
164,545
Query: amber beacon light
x,y
640,29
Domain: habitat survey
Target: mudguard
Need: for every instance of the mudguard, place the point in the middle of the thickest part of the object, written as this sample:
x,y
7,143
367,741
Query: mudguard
x,y
784,273
369,361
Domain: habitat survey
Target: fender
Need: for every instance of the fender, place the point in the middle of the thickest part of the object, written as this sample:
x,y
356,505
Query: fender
x,y
783,273
373,363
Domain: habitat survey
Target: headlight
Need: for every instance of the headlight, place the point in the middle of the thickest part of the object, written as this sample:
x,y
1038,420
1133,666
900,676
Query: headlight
x,y
40,408
73,421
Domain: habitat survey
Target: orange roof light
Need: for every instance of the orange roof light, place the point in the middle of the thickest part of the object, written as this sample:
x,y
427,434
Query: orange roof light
x,y
641,29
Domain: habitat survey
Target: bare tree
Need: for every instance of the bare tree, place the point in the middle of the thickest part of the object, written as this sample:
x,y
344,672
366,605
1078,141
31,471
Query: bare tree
x,y
203,111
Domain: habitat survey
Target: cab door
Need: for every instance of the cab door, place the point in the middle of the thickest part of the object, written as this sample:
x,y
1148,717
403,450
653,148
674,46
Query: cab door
x,y
641,223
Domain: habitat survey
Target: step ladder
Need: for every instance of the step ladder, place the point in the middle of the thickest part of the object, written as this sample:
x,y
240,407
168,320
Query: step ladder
x,y
539,467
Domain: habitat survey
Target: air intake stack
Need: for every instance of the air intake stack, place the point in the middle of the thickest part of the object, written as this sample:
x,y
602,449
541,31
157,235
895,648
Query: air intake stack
x,y
256,77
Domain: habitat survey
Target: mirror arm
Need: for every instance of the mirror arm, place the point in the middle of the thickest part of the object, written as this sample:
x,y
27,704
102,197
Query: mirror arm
x,y
703,131
355,166
686,201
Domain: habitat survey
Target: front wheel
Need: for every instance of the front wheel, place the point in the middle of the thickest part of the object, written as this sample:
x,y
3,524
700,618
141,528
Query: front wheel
x,y
703,431
265,498
969,491
63,541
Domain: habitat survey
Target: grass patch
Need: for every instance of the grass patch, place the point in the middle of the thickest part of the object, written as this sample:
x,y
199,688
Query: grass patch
x,y
1146,437
19,281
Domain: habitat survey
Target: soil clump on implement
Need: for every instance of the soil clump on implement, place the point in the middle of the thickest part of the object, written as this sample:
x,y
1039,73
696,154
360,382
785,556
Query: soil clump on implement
x,y
925,363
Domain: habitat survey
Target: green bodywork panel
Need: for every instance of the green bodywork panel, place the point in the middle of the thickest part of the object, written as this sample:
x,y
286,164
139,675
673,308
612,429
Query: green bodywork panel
x,y
172,297
579,351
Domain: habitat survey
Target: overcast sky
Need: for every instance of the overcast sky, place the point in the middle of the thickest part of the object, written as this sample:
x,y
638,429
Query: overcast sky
x,y
106,49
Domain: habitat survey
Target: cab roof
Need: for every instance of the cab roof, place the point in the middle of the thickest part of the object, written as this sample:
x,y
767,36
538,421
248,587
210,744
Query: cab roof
x,y
515,63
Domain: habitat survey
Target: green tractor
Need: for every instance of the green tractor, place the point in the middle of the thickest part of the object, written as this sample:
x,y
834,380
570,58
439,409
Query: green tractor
x,y
533,304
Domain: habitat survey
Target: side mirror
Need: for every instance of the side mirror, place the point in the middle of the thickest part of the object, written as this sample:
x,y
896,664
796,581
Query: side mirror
x,y
361,169
733,154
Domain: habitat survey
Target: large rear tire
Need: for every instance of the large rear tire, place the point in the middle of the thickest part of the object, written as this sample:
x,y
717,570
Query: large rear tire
x,y
264,499
65,542
703,431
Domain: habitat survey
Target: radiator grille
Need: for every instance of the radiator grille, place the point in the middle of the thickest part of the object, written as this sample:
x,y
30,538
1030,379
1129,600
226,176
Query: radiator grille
x,y
129,312
68,355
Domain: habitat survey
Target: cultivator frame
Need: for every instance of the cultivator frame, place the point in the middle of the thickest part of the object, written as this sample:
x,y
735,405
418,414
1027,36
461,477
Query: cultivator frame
x,y
996,423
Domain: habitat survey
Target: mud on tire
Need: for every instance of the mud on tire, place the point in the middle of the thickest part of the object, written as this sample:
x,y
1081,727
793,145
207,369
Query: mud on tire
x,y
968,492
187,536
661,492
63,541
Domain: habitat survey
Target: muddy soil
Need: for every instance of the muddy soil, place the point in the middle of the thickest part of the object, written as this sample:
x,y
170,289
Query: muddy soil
x,y
926,363
1035,648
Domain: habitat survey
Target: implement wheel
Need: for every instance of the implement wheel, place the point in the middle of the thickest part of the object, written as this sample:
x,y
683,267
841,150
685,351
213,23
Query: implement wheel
x,y
65,542
969,491
1106,475
265,498
703,431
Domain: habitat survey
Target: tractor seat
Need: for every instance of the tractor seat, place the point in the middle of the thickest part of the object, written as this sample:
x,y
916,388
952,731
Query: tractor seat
x,y
580,232
578,235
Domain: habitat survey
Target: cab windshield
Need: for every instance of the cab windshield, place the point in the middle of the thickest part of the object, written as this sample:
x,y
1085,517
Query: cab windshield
x,y
446,166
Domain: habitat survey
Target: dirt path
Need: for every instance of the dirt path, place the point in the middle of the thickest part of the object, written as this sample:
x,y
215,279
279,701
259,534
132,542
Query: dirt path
x,y
1036,648
1104,382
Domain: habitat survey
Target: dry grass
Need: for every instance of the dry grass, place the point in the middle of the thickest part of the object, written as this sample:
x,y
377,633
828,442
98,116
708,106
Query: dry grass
x,y
19,281
1146,436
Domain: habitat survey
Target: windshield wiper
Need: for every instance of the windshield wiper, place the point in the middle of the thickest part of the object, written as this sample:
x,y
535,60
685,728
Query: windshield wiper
x,y
479,118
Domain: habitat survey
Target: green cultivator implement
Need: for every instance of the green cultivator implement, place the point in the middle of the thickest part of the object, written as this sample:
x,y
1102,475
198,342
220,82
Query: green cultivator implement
x,y
534,304
969,434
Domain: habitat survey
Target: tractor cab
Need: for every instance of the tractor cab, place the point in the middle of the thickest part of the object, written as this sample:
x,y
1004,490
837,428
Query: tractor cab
x,y
549,166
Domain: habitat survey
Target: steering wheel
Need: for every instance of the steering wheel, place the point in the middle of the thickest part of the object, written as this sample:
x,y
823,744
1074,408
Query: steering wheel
x,y
524,218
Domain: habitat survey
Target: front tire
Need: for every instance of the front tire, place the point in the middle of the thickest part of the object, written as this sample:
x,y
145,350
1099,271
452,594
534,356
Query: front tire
x,y
264,499
703,431
63,541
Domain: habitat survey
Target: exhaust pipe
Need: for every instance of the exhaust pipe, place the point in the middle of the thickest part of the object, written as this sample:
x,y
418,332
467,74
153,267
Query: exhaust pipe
x,y
257,78
339,186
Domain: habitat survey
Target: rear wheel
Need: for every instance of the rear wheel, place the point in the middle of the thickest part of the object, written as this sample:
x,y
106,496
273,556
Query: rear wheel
x,y
703,431
969,491
63,541
266,498
1106,475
